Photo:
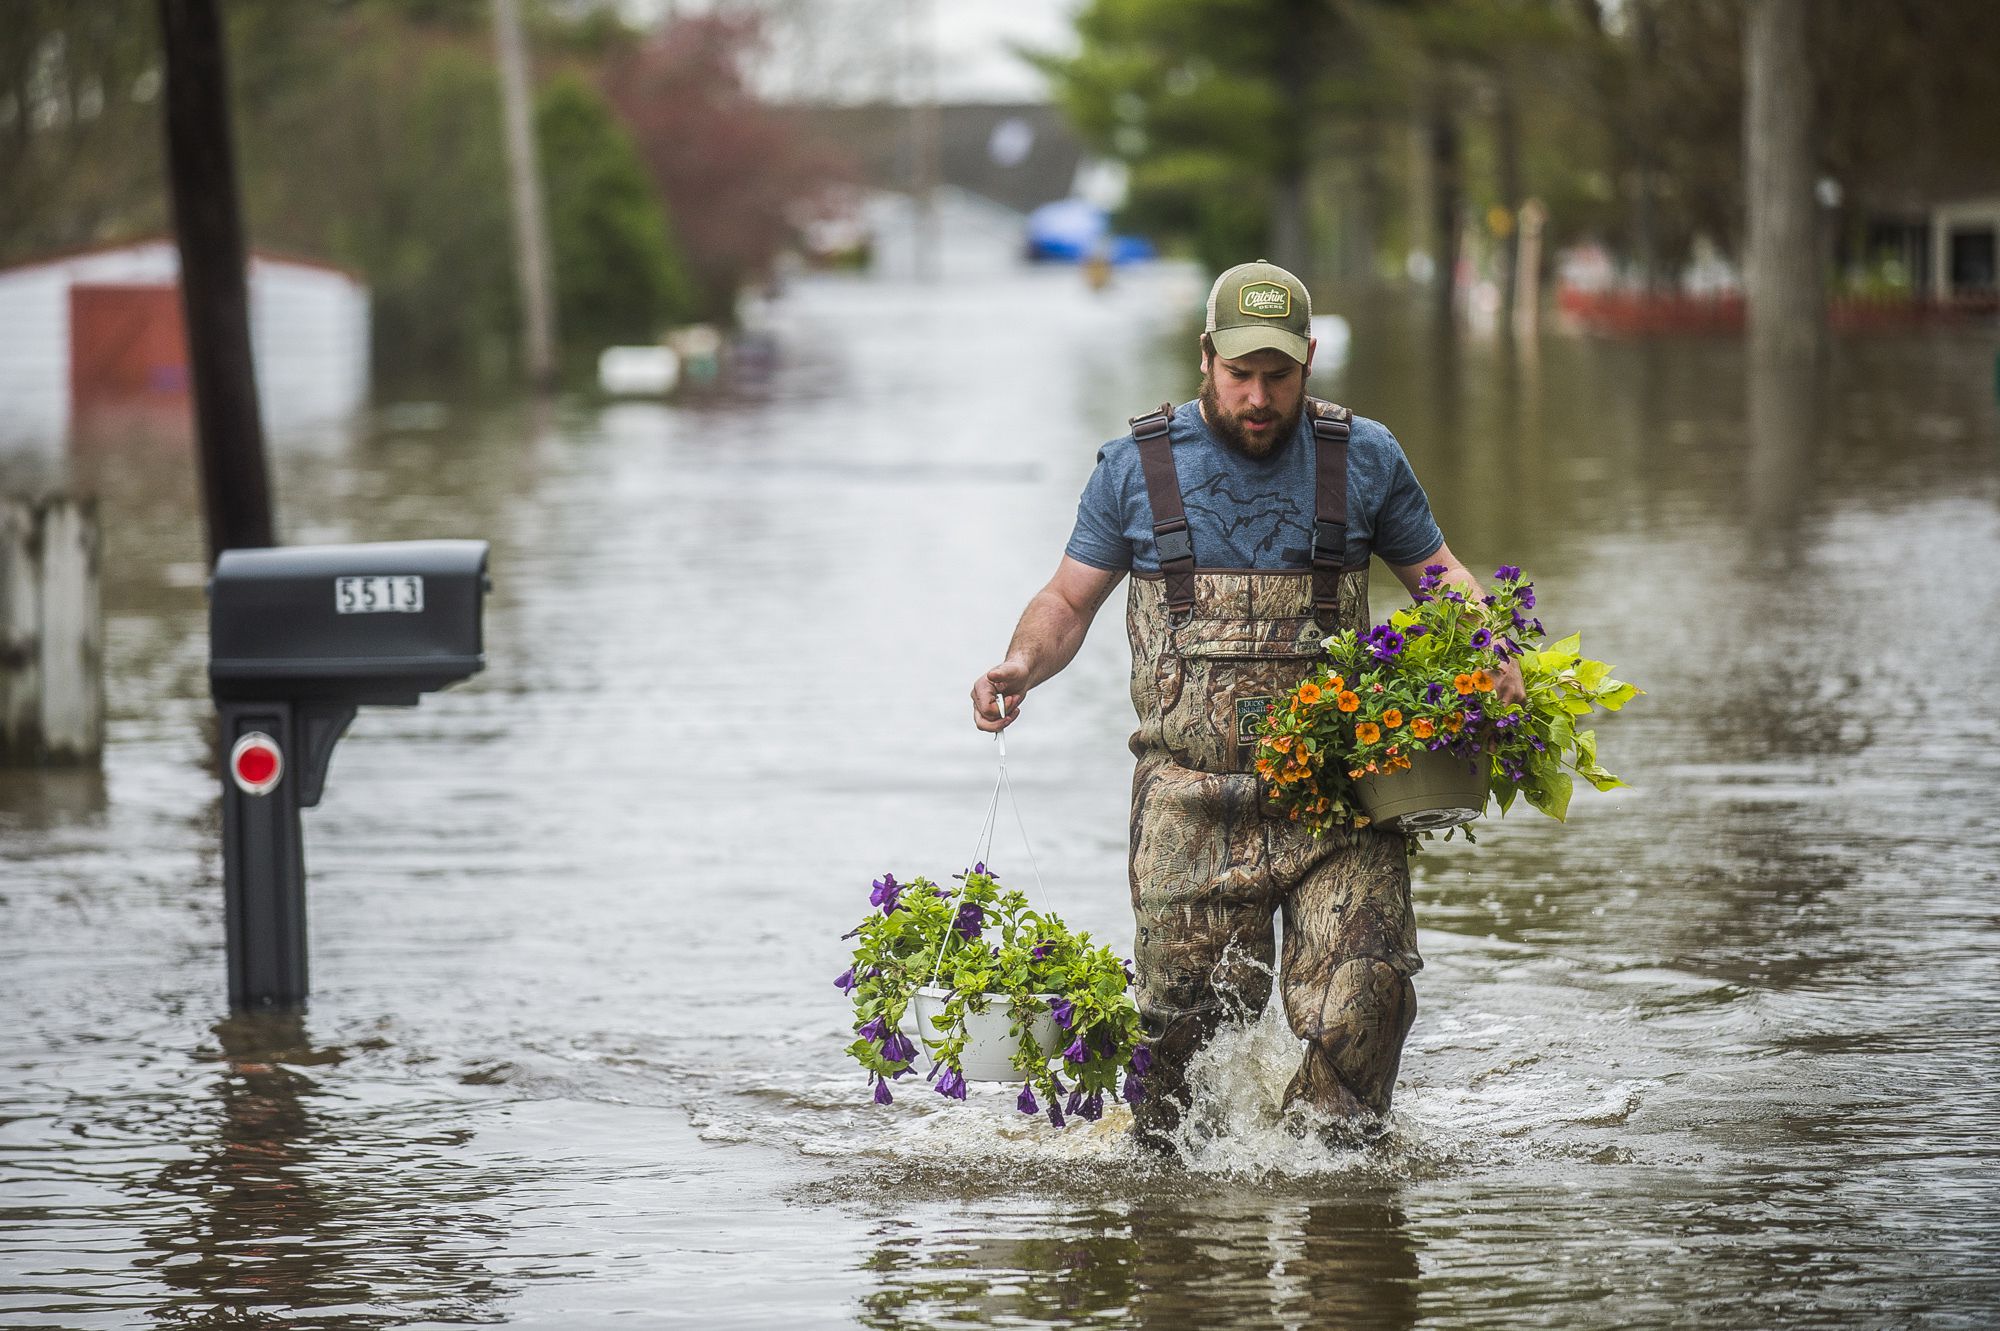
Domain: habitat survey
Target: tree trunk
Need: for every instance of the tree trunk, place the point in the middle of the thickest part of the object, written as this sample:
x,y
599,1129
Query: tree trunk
x,y
1446,202
1783,280
1507,145
1288,193
531,241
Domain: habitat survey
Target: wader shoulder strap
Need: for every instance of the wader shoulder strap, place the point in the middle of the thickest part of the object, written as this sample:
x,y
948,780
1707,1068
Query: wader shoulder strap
x,y
1163,490
1331,424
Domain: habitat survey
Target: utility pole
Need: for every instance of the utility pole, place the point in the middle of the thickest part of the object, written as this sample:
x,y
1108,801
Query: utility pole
x,y
1787,305
215,291
531,241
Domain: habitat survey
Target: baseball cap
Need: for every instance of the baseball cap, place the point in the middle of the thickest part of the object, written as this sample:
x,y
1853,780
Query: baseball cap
x,y
1257,305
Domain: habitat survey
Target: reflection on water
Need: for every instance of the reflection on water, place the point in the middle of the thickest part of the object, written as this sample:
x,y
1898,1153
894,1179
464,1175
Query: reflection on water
x,y
279,1208
1237,1259
1717,1052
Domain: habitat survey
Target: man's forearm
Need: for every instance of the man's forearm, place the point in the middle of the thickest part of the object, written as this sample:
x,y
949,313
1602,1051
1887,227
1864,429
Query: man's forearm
x,y
1047,638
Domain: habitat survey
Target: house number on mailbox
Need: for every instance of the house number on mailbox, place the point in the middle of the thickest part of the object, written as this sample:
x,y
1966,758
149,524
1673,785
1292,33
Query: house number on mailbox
x,y
375,594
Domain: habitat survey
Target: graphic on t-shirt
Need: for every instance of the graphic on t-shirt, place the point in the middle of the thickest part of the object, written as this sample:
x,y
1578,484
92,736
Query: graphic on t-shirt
x,y
1250,524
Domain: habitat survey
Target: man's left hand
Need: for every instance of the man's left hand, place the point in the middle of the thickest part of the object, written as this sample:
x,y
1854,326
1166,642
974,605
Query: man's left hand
x,y
1508,686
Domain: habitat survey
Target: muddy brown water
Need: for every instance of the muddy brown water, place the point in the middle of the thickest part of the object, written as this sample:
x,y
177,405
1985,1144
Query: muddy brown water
x,y
1719,1052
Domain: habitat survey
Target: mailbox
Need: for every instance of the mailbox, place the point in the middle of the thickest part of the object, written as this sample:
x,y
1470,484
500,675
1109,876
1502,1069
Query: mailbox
x,y
300,638
382,623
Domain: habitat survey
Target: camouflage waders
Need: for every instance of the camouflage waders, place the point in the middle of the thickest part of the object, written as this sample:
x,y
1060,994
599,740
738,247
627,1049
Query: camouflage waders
x,y
1209,865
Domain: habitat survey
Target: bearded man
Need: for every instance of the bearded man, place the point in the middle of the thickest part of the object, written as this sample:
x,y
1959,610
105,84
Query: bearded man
x,y
1246,519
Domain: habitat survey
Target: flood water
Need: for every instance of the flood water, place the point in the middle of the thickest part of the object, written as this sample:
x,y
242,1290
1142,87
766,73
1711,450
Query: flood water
x,y
1721,1051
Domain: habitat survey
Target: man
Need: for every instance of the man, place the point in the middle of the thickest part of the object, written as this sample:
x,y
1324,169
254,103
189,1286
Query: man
x,y
1247,519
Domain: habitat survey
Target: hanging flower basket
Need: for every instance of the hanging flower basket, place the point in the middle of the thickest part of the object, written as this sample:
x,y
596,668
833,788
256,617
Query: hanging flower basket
x,y
985,988
1402,726
1436,791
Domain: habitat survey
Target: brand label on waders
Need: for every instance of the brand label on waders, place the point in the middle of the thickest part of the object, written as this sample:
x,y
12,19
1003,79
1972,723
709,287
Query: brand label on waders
x,y
1249,711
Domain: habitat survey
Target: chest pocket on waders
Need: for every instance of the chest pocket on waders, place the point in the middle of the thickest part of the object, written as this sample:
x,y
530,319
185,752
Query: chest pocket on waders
x,y
1216,679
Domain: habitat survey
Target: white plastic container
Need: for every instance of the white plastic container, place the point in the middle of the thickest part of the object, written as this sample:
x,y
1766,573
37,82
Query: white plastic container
x,y
989,1045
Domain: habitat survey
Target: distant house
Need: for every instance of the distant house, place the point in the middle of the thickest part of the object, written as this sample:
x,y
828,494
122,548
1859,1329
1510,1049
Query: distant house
x,y
1965,245
93,341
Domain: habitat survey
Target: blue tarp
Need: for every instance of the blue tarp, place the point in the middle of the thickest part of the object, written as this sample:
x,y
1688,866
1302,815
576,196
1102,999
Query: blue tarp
x,y
1071,229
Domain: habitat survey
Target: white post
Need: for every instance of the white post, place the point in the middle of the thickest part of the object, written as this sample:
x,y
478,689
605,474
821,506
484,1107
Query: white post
x,y
51,634
72,633
1528,270
20,630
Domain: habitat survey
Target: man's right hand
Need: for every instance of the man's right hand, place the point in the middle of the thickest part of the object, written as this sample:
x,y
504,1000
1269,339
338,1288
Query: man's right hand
x,y
997,694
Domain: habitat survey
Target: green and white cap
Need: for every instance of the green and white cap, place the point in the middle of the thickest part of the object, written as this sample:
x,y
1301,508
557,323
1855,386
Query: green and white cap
x,y
1258,305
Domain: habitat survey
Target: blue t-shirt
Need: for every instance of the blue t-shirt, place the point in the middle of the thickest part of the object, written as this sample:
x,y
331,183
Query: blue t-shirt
x,y
1247,512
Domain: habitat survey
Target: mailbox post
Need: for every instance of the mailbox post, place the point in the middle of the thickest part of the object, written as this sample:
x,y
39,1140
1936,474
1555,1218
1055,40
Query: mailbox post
x,y
300,638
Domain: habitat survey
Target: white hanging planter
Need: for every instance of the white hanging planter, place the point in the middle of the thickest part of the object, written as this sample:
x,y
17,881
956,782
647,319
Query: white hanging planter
x,y
989,1039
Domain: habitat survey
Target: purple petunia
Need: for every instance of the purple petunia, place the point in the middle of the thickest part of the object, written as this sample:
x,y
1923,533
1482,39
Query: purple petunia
x,y
882,1096
897,1048
1040,951
1508,647
1142,1060
874,1030
1506,573
887,889
1482,639
952,1084
1076,1053
1063,1011
1434,570
1526,596
1093,1108
846,982
1135,1089
1128,973
1055,1113
1026,1103
971,919
1416,631
1433,692
1384,642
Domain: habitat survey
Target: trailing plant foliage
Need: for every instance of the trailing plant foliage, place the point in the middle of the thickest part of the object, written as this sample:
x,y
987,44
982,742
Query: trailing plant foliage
x,y
1423,682
983,944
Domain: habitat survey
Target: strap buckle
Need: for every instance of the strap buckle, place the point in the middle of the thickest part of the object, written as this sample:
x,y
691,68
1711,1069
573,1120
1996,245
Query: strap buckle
x,y
1153,424
1329,543
1174,542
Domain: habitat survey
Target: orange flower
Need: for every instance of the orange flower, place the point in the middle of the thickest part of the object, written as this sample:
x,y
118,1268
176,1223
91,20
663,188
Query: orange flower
x,y
1336,684
1367,732
1401,764
1392,718
1464,685
1308,692
1482,681
1281,743
1455,722
1422,728
1356,773
1348,700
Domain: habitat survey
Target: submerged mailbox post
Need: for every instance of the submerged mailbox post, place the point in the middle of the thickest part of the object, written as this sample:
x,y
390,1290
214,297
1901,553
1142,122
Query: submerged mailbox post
x,y
299,638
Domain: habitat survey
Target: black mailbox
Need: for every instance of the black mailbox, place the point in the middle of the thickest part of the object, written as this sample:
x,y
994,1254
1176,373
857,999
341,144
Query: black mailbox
x,y
382,623
299,638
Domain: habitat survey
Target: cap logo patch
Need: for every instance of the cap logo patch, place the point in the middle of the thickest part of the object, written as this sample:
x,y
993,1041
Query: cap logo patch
x,y
1266,300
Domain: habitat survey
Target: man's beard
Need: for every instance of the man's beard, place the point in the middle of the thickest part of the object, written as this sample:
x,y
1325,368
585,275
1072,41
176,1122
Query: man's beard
x,y
1230,429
